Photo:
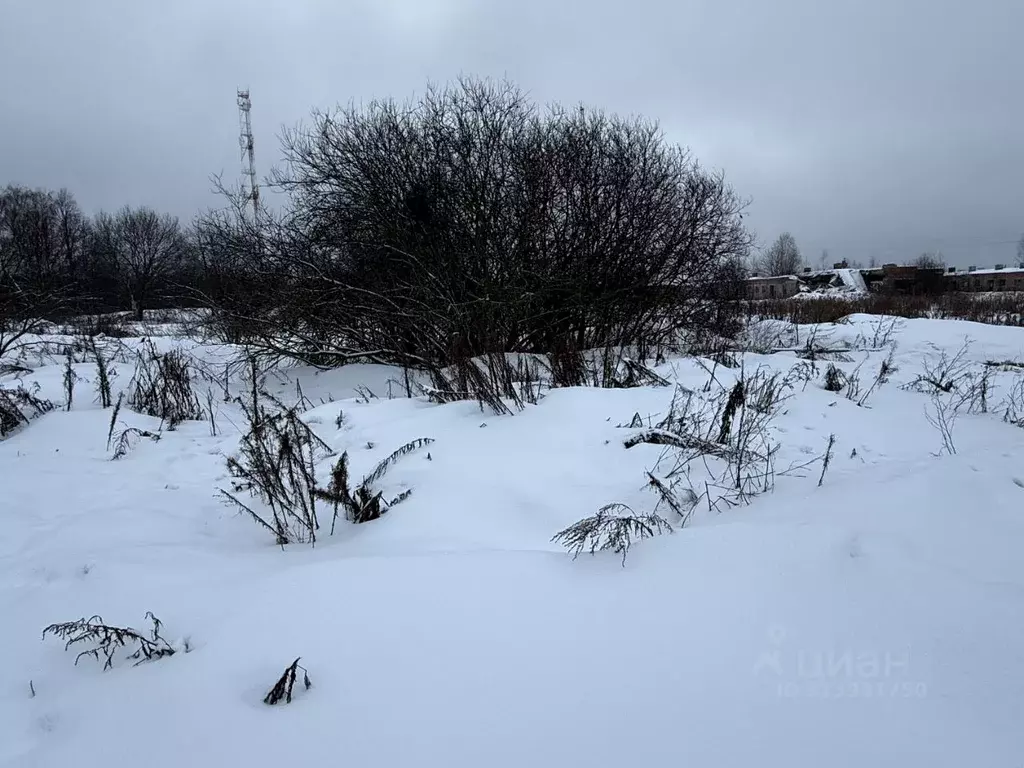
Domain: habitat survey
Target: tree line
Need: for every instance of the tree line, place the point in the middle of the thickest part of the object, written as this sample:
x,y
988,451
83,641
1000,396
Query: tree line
x,y
467,222
783,257
56,260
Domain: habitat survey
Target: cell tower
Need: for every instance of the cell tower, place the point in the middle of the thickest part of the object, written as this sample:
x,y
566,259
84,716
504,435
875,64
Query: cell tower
x,y
250,189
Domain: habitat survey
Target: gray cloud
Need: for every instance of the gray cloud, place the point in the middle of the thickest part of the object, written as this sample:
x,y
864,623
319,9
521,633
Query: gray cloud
x,y
873,128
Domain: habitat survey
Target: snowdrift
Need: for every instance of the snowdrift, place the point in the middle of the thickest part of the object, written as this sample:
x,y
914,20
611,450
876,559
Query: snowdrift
x,y
874,619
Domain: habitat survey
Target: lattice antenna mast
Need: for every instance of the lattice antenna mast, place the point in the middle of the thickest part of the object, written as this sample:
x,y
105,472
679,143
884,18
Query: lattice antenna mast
x,y
250,188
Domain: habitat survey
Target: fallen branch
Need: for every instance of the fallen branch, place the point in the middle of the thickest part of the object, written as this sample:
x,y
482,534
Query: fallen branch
x,y
687,442
1004,364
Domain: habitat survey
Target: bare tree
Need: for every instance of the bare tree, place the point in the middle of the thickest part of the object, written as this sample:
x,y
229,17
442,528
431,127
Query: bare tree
x,y
929,260
782,258
32,280
144,249
29,237
823,261
72,234
1020,250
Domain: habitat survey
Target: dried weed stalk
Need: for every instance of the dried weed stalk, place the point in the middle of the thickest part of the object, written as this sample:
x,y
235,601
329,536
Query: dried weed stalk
x,y
108,640
364,503
614,528
282,690
162,387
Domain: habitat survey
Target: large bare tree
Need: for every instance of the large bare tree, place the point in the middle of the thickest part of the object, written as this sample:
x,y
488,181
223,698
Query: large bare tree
x,y
782,257
144,249
29,236
37,228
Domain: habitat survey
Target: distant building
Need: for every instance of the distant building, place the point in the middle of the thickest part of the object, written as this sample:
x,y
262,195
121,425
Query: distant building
x,y
905,280
773,287
1001,278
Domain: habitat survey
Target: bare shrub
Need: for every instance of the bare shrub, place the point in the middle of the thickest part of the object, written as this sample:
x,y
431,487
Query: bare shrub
x,y
18,406
492,380
762,336
636,374
162,387
752,470
108,640
726,433
885,370
805,372
568,367
853,390
610,367
766,391
943,373
471,221
1013,403
973,391
276,464
471,379
817,347
614,528
942,415
127,438
883,329
365,503
888,367
501,386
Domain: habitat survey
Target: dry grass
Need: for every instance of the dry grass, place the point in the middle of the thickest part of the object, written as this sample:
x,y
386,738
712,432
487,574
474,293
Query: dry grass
x,y
990,308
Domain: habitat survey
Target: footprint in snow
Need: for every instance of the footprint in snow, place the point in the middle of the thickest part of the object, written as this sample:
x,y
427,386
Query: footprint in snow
x,y
854,548
1018,482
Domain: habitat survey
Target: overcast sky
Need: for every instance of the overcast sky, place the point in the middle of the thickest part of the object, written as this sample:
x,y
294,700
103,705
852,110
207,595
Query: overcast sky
x,y
868,127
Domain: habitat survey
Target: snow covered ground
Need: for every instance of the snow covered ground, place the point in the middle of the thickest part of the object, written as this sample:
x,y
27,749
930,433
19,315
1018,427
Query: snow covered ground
x,y
874,620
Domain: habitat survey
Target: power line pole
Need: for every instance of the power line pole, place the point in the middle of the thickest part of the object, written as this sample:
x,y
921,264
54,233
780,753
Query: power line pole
x,y
250,188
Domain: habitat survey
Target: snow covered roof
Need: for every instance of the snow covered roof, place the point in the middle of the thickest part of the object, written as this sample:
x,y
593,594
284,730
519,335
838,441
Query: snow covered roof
x,y
852,279
774,277
1011,270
